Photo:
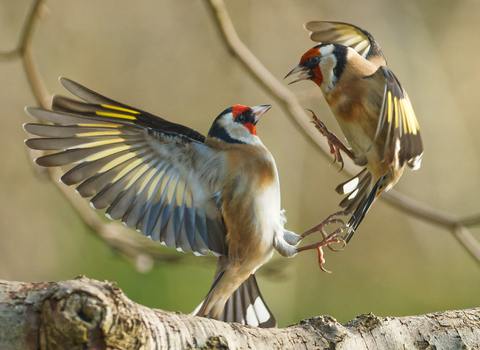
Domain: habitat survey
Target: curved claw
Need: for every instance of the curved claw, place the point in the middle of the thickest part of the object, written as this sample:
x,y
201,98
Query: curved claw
x,y
321,260
327,241
341,168
339,239
348,212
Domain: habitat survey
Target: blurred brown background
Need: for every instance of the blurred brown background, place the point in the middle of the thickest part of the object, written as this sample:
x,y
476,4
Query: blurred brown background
x,y
166,57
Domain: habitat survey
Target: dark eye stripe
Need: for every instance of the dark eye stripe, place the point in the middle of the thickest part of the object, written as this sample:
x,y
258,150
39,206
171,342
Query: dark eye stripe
x,y
245,117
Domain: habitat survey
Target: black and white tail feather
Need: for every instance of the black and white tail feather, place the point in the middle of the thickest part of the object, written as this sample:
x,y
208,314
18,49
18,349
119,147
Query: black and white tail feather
x,y
245,306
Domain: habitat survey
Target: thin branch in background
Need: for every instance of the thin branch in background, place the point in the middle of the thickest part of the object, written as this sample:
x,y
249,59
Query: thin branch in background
x,y
24,51
25,34
293,109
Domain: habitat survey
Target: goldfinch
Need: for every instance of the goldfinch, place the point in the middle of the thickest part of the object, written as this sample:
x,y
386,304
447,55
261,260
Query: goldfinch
x,y
218,193
371,107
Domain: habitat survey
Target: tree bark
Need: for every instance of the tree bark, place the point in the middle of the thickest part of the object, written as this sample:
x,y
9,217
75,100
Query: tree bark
x,y
89,314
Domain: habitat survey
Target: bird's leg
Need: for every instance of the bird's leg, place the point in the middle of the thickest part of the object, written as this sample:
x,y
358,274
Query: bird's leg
x,y
335,144
327,239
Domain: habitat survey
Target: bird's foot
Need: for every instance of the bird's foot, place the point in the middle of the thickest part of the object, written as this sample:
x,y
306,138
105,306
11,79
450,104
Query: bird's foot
x,y
328,239
333,142
330,220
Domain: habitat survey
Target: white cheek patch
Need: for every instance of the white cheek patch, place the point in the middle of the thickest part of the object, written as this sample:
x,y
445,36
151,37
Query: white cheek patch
x,y
237,131
241,133
225,121
326,50
328,62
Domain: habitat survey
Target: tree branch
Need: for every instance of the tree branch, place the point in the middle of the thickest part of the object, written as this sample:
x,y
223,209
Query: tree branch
x,y
89,314
25,34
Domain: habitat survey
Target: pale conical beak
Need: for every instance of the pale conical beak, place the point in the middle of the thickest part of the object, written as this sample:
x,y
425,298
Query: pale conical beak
x,y
258,111
306,73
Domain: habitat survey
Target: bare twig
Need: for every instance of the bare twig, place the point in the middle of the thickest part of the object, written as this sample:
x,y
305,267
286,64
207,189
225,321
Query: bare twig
x,y
25,34
24,51
297,114
467,240
36,82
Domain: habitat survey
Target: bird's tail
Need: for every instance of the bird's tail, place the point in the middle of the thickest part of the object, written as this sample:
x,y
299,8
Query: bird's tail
x,y
361,194
245,306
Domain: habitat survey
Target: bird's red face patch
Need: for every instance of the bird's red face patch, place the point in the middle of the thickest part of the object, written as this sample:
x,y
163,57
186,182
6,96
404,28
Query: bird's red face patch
x,y
307,61
237,110
251,128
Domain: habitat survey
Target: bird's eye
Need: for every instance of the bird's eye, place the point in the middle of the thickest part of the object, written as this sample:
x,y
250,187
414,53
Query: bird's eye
x,y
313,61
240,118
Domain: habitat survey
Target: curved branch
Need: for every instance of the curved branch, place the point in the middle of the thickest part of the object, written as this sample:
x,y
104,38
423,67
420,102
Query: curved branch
x,y
297,114
26,33
24,51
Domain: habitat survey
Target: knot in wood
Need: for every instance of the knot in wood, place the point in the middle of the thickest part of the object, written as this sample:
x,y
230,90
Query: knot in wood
x,y
330,329
72,321
368,321
216,342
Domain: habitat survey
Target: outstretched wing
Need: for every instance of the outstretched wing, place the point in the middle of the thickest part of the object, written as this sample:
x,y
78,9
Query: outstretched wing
x,y
348,35
397,123
148,172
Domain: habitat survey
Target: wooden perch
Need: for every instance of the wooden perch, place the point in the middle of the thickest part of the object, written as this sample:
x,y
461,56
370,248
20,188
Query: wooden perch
x,y
89,314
